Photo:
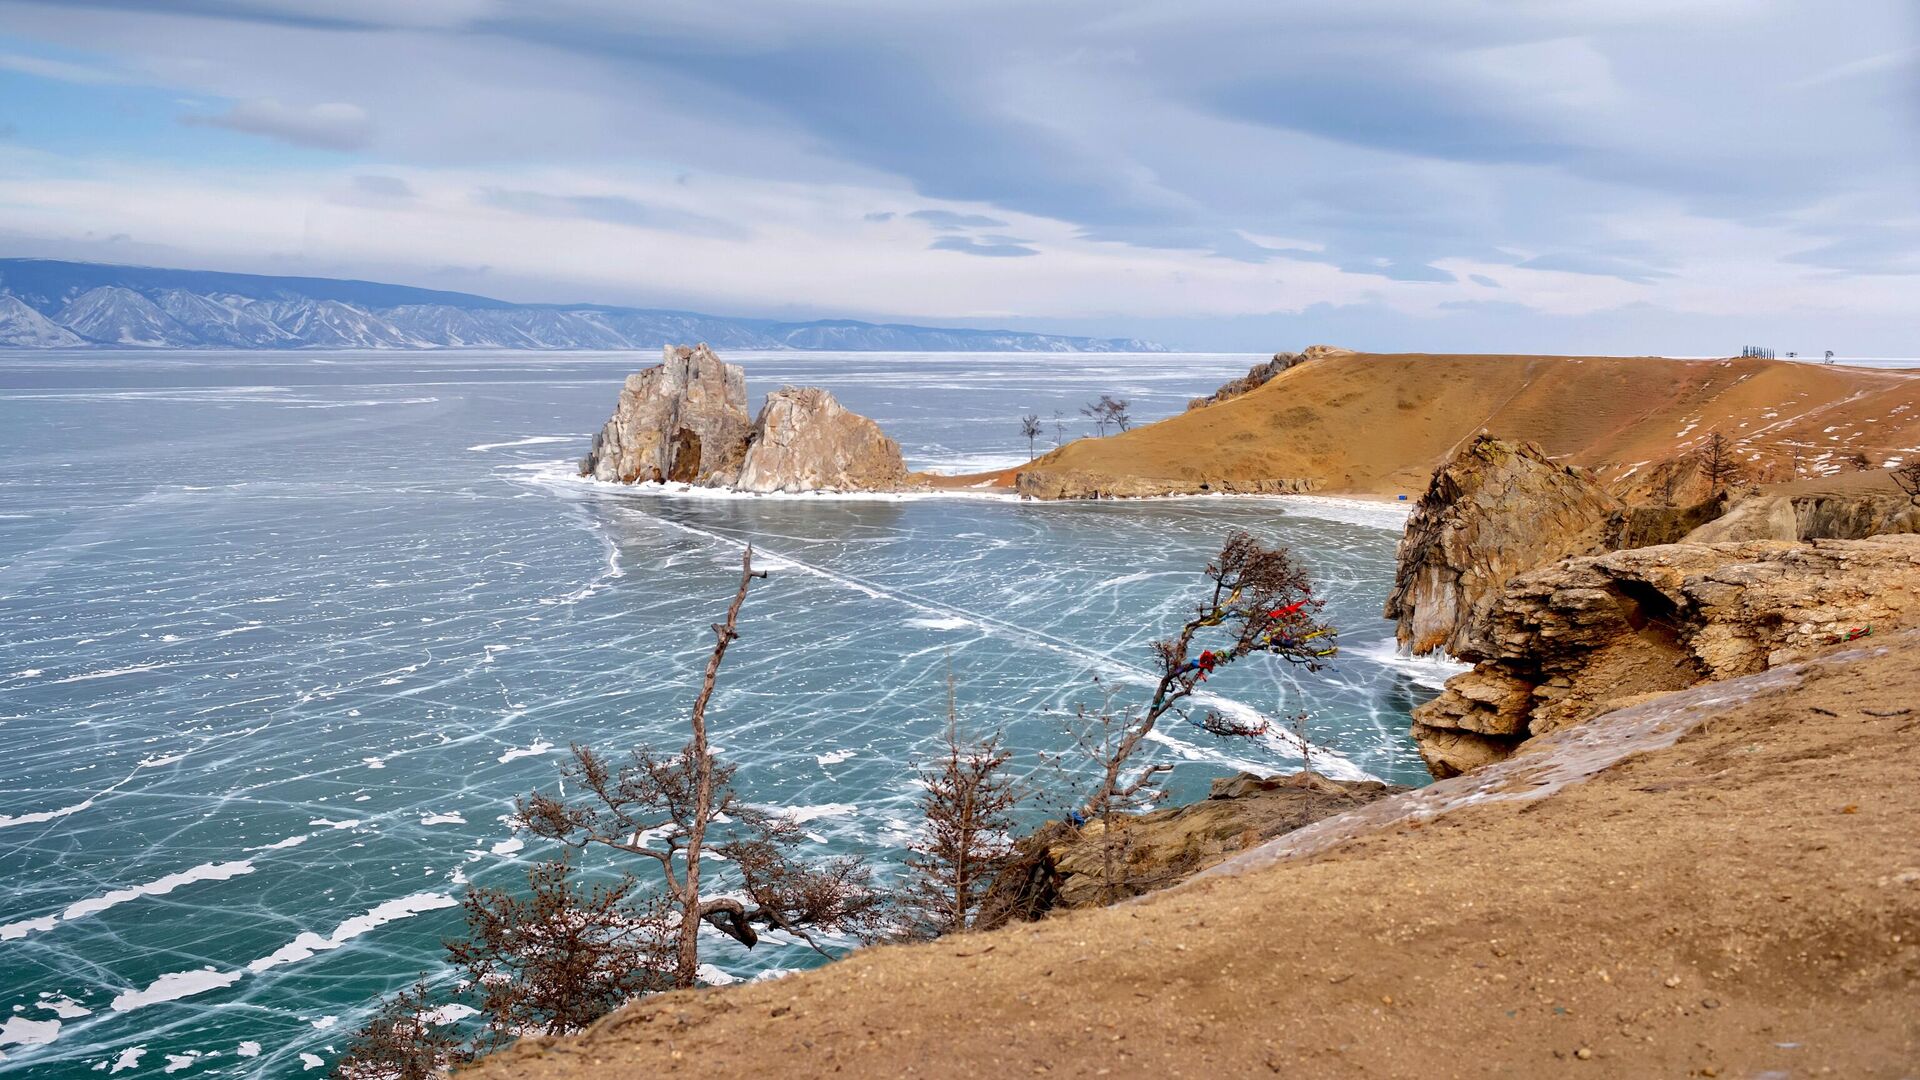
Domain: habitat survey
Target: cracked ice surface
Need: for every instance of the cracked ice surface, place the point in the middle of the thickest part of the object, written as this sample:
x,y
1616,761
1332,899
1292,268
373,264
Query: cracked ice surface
x,y
285,636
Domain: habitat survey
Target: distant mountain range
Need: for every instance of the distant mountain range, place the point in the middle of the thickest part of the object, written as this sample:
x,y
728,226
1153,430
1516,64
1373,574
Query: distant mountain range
x,y
46,304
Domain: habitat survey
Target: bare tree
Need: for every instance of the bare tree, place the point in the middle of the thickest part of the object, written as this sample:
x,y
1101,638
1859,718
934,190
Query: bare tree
x,y
1108,410
1097,412
967,843
662,808
1059,428
1718,464
1030,427
1907,479
1258,600
1671,475
403,1042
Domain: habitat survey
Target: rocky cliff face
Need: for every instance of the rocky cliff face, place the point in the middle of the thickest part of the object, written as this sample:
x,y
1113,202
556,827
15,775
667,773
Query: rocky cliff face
x,y
1496,510
1566,642
805,440
1260,374
1821,516
684,419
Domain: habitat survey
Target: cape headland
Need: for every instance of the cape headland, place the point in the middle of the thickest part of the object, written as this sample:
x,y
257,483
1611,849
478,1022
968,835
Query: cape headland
x,y
1672,833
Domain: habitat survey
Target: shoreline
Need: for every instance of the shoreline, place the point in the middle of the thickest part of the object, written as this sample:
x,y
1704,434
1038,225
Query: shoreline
x,y
1356,505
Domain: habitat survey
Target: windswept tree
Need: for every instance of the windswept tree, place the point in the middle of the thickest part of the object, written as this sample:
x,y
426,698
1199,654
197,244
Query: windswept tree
x,y
967,809
1059,428
1257,600
1718,463
1907,479
669,809
565,953
1107,410
1030,429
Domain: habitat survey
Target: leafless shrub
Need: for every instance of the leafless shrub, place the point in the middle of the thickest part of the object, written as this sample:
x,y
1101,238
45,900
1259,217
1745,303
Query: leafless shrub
x,y
564,955
967,844
402,1042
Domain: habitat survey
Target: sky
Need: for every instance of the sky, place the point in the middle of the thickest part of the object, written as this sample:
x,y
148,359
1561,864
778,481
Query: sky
x,y
1625,176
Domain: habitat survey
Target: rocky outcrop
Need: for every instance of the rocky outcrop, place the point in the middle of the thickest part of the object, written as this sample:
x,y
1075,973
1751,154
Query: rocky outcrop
x,y
1569,641
684,419
1260,374
1062,867
1497,509
1838,515
1757,518
805,441
1045,483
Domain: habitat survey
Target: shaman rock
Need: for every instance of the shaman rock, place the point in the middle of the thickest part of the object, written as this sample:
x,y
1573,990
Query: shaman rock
x,y
684,419
805,440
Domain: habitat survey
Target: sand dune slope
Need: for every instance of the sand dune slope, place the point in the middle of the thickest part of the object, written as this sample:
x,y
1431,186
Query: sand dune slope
x,y
1378,423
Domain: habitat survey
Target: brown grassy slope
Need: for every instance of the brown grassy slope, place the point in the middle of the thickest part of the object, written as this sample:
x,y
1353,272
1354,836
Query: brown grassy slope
x,y
1379,424
1744,902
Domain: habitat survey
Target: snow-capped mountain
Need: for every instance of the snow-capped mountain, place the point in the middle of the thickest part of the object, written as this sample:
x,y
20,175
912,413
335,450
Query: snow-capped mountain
x,y
116,316
21,327
46,304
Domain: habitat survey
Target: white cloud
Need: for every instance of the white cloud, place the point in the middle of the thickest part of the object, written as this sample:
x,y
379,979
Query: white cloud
x,y
329,126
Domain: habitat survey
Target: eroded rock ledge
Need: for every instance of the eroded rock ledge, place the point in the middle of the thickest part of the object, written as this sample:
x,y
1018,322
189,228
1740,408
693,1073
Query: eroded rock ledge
x,y
685,420
1569,641
1497,509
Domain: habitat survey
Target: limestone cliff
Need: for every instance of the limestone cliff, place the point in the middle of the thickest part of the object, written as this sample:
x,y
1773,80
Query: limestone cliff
x,y
685,419
805,440
1495,510
1568,641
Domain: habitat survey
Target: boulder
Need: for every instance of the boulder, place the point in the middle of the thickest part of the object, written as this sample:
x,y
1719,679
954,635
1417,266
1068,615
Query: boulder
x,y
1059,866
805,441
684,419
1495,510
1569,641
1760,517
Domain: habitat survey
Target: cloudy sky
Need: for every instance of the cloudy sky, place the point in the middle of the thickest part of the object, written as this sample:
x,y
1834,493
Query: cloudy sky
x,y
1680,176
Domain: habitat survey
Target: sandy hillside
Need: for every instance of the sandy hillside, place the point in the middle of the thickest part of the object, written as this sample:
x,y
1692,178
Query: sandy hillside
x,y
1378,424
1743,903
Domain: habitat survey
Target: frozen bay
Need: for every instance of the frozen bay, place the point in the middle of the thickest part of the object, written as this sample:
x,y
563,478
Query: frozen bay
x,y
282,636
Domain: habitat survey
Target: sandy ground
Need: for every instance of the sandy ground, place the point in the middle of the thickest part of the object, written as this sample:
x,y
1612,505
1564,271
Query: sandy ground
x,y
1378,424
1745,903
